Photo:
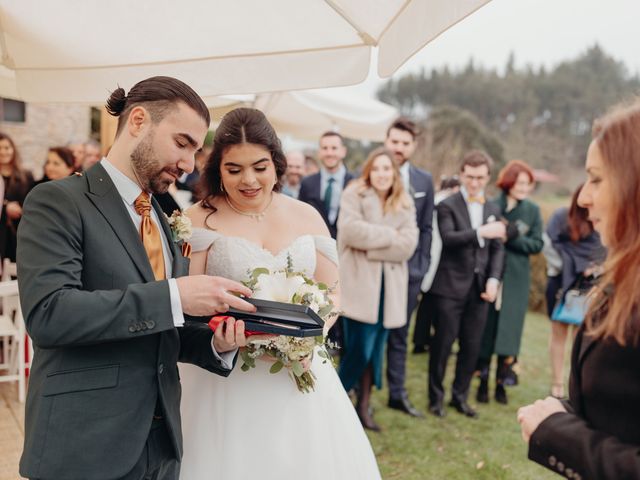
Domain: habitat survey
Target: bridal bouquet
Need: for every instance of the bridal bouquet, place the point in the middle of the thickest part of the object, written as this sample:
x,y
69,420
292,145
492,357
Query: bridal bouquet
x,y
288,286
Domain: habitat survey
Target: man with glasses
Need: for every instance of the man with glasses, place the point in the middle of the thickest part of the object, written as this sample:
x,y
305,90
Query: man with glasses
x,y
466,281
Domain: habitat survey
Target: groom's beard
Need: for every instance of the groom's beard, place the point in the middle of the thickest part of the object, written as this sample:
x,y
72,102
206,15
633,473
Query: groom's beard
x,y
144,162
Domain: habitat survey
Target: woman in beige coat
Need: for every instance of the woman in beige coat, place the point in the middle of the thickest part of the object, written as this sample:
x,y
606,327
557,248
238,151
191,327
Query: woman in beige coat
x,y
377,234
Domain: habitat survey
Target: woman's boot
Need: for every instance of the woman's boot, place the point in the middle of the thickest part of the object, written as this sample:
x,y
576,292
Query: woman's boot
x,y
502,370
362,405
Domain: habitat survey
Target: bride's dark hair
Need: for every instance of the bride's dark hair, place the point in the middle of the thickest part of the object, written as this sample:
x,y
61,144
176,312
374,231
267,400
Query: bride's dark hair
x,y
239,126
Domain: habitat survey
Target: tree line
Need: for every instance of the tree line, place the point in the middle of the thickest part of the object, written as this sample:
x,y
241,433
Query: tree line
x,y
541,116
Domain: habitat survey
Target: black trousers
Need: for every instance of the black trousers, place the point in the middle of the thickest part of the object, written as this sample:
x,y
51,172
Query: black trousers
x,y
397,347
464,319
157,461
424,320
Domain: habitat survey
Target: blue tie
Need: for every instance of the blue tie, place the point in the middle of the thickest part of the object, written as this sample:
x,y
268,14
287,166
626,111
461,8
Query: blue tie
x,y
327,194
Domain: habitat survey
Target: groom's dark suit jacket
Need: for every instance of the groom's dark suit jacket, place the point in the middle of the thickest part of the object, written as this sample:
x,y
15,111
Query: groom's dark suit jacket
x,y
105,344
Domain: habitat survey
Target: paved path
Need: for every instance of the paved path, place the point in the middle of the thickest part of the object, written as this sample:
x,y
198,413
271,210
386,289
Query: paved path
x,y
11,430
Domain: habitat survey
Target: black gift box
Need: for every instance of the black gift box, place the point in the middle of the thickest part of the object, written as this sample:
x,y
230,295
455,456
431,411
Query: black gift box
x,y
280,319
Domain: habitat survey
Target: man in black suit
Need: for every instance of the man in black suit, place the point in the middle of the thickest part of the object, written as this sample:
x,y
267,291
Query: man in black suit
x,y
401,141
324,189
104,291
467,278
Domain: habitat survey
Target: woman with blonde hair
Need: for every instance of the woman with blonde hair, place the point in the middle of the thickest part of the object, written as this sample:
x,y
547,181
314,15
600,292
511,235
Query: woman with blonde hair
x,y
377,234
596,433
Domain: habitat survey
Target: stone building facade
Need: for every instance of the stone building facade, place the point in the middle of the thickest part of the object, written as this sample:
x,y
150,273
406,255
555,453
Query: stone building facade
x,y
47,125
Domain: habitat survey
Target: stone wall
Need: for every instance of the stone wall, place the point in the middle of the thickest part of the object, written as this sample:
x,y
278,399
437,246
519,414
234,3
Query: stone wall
x,y
47,125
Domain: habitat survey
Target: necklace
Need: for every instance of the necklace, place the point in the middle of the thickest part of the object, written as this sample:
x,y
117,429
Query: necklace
x,y
258,217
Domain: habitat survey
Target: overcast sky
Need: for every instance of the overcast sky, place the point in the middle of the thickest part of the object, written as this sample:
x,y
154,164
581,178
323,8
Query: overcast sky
x,y
537,31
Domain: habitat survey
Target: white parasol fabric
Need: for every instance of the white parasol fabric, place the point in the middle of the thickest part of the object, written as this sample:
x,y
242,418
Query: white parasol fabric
x,y
308,114
78,50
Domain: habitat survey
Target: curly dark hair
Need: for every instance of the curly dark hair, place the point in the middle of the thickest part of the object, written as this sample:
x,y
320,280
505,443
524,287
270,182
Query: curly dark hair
x,y
239,126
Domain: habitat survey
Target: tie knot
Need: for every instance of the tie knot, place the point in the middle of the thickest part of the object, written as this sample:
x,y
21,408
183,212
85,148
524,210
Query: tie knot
x,y
479,199
143,204
331,180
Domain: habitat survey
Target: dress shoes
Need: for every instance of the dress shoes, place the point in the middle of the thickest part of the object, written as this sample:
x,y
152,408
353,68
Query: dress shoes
x,y
437,410
404,405
482,396
463,408
501,394
418,349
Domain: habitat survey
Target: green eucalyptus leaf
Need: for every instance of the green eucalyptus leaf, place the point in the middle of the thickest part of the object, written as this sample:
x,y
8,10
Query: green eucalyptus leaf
x,y
297,368
276,367
324,311
259,271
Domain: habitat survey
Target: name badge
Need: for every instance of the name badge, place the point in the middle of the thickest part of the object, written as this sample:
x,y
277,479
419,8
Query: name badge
x,y
419,194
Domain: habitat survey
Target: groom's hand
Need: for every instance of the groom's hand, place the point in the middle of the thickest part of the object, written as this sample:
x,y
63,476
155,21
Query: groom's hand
x,y
204,295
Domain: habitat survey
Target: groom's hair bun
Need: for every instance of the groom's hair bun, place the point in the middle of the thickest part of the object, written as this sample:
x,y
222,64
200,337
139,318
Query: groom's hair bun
x,y
116,102
158,95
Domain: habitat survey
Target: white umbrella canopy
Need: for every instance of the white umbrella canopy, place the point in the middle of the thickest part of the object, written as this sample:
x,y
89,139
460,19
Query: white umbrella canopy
x,y
78,50
307,114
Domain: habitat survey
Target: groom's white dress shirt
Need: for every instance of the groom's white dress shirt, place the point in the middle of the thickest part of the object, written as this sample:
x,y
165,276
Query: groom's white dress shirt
x,y
129,191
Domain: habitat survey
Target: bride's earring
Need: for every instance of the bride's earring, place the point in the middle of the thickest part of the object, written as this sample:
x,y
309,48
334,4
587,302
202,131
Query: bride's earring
x,y
221,186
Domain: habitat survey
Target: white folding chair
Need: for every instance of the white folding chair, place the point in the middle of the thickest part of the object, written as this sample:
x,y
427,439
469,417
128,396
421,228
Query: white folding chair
x,y
9,270
13,335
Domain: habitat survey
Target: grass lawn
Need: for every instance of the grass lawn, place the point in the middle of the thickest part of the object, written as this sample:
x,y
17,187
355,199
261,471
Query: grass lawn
x,y
456,447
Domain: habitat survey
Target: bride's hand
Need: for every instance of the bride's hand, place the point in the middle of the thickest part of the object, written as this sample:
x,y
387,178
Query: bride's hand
x,y
229,336
306,362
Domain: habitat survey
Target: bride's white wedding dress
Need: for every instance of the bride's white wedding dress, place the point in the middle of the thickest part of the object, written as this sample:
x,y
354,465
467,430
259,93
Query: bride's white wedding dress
x,y
258,425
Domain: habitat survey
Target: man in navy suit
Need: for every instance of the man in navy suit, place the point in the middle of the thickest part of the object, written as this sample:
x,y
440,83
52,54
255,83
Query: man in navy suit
x,y
401,141
324,189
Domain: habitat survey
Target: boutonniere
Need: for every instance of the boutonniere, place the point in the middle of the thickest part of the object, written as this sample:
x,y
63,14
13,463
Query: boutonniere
x,y
181,231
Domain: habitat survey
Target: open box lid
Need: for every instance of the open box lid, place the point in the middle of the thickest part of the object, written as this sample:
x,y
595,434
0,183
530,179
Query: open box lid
x,y
280,318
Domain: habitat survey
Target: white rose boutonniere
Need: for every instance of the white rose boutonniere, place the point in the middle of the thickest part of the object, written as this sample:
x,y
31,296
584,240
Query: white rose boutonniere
x,y
181,231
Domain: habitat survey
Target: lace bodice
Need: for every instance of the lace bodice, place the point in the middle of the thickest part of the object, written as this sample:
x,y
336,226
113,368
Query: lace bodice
x,y
235,257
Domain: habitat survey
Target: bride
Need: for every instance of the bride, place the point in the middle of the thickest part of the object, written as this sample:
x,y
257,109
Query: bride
x,y
255,424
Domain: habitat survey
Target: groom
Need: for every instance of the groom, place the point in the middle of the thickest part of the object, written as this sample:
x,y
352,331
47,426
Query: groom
x,y
105,295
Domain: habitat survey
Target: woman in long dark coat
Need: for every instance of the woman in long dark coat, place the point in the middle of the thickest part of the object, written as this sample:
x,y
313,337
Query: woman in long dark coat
x,y
596,433
505,322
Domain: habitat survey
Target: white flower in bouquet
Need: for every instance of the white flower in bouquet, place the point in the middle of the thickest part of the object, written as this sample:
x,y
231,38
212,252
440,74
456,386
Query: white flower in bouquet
x,y
312,296
277,287
287,286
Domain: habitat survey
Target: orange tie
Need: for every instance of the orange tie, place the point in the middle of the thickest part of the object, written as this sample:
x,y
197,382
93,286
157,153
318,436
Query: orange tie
x,y
150,236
